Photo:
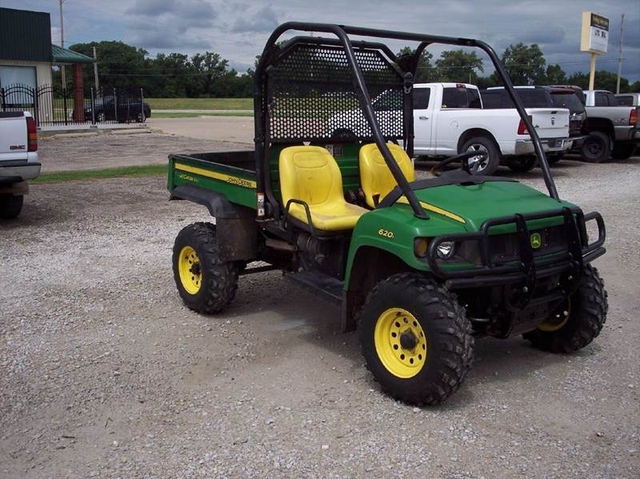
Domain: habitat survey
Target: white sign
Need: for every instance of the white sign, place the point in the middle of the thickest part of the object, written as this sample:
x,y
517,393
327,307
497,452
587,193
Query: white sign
x,y
595,33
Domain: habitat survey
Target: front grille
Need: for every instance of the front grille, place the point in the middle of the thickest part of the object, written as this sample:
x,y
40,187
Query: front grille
x,y
504,248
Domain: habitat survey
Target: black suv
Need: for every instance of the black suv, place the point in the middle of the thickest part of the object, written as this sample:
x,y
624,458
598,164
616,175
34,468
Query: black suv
x,y
120,108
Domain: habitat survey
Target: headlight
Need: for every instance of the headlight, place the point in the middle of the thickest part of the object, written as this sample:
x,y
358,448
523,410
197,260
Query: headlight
x,y
446,249
420,247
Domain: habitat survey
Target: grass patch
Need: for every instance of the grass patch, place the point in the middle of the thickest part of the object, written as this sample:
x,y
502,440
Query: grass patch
x,y
199,104
161,114
124,171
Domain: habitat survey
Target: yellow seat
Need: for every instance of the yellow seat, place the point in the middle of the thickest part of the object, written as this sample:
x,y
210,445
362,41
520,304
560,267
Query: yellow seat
x,y
375,177
311,174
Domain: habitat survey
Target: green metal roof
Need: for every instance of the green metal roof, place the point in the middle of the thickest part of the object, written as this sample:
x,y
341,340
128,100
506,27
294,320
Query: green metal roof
x,y
62,55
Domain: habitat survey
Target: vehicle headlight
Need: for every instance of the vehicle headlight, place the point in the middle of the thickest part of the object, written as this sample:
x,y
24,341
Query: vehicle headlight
x,y
420,247
446,249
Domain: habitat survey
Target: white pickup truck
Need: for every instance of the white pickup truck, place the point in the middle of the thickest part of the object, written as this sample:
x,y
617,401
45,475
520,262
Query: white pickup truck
x,y
18,160
449,119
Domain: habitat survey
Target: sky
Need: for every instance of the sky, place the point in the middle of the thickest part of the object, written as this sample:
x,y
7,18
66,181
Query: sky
x,y
237,30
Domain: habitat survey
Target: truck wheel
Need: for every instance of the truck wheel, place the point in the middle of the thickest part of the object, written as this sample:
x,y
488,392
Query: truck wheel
x,y
577,321
623,151
415,339
522,164
10,206
488,164
553,158
206,283
596,148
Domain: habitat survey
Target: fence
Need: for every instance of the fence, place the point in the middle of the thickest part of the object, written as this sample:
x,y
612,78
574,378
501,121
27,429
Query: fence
x,y
51,107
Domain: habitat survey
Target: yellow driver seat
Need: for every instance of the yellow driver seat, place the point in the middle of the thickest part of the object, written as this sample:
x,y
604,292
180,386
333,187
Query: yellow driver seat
x,y
375,177
310,174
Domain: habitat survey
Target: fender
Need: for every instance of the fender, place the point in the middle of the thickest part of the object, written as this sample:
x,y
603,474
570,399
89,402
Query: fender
x,y
217,203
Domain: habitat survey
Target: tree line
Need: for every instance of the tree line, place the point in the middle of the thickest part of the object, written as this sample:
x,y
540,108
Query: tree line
x,y
208,75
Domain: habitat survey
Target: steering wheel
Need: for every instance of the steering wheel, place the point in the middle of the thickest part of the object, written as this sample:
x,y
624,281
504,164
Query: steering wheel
x,y
463,157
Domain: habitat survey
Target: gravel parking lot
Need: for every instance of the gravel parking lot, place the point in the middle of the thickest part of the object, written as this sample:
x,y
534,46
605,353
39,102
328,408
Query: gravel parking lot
x,y
103,372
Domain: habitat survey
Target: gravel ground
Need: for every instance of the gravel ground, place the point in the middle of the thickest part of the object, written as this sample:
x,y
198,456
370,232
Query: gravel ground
x,y
103,372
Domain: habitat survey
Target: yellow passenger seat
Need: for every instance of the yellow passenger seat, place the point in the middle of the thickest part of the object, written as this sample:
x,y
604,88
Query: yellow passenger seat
x,y
311,175
375,177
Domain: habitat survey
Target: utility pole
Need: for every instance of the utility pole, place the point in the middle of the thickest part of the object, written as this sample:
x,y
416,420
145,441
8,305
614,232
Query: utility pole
x,y
64,80
95,69
620,56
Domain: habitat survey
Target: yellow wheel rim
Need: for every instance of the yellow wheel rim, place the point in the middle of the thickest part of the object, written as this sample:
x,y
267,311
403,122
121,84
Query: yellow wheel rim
x,y
558,319
190,270
400,343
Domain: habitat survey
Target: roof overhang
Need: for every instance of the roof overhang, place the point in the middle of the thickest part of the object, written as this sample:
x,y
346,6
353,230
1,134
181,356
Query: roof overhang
x,y
62,56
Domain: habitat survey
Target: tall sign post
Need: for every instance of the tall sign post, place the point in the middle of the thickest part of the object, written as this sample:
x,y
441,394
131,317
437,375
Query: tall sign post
x,y
594,39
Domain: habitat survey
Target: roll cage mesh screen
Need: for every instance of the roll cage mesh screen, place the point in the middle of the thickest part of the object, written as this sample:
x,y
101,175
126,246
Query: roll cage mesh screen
x,y
311,95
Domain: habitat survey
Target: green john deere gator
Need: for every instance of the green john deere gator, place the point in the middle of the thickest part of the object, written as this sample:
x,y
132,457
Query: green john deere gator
x,y
420,267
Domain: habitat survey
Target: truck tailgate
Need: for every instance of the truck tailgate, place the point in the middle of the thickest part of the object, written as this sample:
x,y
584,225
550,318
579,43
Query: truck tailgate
x,y
13,136
550,122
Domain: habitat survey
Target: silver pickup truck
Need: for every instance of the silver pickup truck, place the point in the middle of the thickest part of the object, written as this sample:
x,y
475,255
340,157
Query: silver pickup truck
x,y
18,160
612,127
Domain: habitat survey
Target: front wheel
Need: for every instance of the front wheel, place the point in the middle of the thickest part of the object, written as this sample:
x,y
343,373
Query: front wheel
x,y
415,339
206,283
488,159
578,320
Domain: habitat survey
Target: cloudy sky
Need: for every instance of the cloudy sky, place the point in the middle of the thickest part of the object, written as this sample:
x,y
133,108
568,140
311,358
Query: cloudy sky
x,y
237,30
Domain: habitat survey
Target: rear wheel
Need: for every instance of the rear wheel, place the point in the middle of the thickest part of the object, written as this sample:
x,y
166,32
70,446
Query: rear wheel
x,y
205,282
10,206
553,158
415,339
596,148
522,164
623,151
578,320
488,159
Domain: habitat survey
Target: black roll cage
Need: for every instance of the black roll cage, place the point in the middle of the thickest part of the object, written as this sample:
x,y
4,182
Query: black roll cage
x,y
342,33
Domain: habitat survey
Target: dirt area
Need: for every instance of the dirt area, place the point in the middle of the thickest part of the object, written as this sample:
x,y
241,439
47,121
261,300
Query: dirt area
x,y
104,373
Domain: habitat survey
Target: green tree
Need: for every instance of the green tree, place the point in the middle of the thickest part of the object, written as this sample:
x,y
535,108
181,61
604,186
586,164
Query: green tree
x,y
525,64
119,65
213,77
555,75
604,80
424,70
173,74
458,66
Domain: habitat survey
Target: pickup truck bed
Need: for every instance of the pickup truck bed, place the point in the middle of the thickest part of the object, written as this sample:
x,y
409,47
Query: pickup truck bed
x,y
232,172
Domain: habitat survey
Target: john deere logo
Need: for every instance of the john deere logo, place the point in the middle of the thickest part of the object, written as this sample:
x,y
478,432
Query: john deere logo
x,y
536,240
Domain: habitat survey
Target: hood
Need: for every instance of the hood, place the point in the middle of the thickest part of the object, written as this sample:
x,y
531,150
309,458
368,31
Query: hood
x,y
471,205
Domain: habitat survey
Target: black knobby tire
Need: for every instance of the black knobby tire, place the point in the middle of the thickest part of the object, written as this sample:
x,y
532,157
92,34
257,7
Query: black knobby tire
x,y
553,158
211,283
443,335
522,164
10,206
623,151
596,148
587,312
485,145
